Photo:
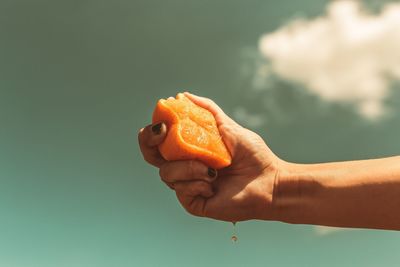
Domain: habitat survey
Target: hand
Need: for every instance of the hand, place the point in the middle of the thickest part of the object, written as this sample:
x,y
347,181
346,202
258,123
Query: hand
x,y
242,191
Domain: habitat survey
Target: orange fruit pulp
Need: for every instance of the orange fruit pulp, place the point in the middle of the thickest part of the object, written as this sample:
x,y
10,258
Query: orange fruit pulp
x,y
192,133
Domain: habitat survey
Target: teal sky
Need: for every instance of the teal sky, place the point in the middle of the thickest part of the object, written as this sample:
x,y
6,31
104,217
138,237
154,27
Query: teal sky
x,y
78,79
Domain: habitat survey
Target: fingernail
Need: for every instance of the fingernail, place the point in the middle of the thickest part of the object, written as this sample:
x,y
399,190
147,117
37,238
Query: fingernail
x,y
212,173
156,129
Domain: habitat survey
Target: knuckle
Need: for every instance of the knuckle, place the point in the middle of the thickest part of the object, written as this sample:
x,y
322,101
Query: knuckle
x,y
189,204
163,172
170,185
208,100
187,208
203,187
152,162
190,208
228,129
211,102
197,187
194,209
147,157
191,211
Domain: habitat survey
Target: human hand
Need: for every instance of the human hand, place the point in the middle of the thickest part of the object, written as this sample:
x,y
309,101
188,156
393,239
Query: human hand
x,y
242,191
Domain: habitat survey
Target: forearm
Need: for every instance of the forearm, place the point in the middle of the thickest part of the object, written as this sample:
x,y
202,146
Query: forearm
x,y
363,194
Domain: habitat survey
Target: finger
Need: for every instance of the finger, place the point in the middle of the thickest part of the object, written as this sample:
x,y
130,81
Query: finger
x,y
149,138
153,134
226,126
170,185
211,106
186,170
194,196
193,205
194,189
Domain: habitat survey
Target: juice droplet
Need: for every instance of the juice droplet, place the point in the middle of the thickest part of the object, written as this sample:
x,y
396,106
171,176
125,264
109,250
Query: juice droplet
x,y
234,238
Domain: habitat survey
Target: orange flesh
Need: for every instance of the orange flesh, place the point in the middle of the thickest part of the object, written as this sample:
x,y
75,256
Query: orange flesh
x,y
192,133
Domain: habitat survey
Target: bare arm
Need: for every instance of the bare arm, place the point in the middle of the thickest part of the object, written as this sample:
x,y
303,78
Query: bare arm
x,y
259,185
364,194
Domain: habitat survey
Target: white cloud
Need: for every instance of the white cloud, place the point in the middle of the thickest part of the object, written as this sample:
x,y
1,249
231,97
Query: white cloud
x,y
348,55
248,119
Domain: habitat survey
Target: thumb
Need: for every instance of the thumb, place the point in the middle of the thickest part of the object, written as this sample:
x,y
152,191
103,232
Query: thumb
x,y
227,127
211,106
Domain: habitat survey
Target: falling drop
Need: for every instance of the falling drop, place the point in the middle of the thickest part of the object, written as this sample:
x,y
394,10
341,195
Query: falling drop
x,y
234,237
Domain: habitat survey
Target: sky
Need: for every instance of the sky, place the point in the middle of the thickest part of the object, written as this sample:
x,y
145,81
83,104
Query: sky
x,y
78,79
354,59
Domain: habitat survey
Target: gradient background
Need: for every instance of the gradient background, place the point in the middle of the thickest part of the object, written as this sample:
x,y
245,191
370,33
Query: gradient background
x,y
78,78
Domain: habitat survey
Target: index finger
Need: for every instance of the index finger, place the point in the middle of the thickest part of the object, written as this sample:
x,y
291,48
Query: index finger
x,y
149,139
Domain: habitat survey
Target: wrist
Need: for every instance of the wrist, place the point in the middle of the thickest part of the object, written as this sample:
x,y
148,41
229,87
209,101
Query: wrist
x,y
275,179
293,189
